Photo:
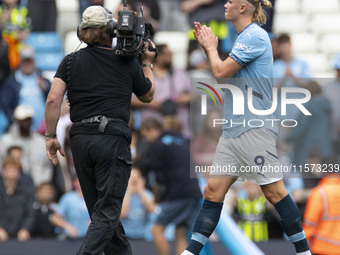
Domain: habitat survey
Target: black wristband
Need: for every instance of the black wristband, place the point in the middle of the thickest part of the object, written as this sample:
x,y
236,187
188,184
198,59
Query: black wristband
x,y
52,136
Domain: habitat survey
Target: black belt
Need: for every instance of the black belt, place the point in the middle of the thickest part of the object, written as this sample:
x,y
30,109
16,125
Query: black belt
x,y
103,120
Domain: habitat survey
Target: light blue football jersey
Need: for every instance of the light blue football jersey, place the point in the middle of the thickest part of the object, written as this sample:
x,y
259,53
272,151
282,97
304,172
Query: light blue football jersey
x,y
253,51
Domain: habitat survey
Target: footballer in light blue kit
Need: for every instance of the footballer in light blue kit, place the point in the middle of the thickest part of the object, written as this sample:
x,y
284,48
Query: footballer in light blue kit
x,y
251,64
253,51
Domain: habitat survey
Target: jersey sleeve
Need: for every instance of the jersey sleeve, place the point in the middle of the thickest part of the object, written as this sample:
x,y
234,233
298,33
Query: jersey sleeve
x,y
62,70
141,84
247,47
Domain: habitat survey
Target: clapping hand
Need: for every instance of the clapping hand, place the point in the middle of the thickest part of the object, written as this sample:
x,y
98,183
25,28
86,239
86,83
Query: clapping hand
x,y
205,37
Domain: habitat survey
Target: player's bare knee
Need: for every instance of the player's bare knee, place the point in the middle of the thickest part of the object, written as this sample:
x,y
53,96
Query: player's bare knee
x,y
274,196
211,193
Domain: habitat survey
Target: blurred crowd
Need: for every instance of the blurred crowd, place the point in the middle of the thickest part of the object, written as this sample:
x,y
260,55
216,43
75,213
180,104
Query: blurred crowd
x,y
40,200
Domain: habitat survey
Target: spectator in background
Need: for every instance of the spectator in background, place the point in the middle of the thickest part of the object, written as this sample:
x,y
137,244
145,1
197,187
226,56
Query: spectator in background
x,y
137,204
151,130
180,196
34,159
44,208
199,64
289,72
275,47
72,215
83,4
171,16
293,179
16,214
174,95
209,13
311,177
288,66
5,68
4,72
25,180
26,86
322,215
332,92
270,17
251,210
312,132
15,26
205,143
151,10
43,14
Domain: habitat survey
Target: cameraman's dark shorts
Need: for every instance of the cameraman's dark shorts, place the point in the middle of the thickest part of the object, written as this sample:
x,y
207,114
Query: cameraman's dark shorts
x,y
179,212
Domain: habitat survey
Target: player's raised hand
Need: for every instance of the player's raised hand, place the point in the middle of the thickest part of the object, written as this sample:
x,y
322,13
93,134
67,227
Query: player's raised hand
x,y
205,36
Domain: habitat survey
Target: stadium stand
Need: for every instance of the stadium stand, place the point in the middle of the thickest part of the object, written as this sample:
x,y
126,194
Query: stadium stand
x,y
68,16
48,48
314,29
72,42
287,6
314,6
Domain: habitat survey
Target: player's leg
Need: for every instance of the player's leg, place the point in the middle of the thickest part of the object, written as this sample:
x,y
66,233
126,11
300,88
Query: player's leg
x,y
180,239
161,244
210,212
289,213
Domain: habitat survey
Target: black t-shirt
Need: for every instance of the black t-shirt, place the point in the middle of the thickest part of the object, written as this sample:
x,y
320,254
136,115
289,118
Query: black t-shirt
x,y
101,83
169,157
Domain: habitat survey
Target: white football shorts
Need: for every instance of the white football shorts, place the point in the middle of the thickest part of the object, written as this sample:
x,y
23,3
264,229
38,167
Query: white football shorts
x,y
251,156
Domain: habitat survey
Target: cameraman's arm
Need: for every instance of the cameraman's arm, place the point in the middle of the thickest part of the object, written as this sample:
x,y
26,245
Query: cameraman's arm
x,y
147,59
147,98
52,114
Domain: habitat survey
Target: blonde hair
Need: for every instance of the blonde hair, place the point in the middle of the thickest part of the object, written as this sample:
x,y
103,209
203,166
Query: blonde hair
x,y
260,16
95,35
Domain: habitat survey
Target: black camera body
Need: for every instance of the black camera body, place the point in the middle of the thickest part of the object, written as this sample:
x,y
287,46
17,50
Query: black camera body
x,y
132,33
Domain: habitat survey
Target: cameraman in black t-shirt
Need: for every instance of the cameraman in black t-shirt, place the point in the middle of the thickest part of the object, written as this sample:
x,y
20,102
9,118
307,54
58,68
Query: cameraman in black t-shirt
x,y
99,85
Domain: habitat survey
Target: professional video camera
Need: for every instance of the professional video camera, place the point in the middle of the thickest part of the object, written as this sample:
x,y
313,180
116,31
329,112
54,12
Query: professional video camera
x,y
132,33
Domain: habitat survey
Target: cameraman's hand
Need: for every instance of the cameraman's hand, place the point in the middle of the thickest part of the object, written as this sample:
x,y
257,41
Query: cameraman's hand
x,y
52,147
148,56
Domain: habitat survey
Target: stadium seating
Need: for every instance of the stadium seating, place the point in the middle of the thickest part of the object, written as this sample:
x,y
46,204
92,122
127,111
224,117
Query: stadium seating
x,y
290,23
287,6
45,42
72,43
48,61
330,43
325,23
112,4
68,16
67,6
318,62
314,27
304,43
317,6
48,49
